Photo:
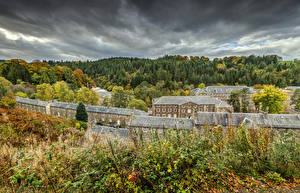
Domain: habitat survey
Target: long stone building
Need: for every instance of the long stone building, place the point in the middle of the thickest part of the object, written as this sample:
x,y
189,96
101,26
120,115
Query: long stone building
x,y
220,92
186,106
128,118
96,114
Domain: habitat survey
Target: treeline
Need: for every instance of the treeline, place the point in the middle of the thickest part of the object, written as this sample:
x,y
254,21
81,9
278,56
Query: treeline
x,y
37,72
182,72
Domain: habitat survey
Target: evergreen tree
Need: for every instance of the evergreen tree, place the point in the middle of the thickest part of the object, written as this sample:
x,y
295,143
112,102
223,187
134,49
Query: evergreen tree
x,y
81,114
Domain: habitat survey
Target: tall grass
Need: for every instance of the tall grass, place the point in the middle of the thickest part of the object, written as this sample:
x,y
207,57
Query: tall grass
x,y
176,161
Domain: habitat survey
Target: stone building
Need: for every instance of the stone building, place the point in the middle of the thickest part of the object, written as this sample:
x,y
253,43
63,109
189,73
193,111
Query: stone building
x,y
220,92
32,105
96,114
186,106
251,120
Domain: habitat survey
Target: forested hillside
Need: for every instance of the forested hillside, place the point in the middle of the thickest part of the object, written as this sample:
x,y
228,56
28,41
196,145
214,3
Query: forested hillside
x,y
175,72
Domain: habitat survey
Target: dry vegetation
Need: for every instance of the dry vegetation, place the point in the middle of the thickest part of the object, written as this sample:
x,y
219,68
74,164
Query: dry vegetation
x,y
41,153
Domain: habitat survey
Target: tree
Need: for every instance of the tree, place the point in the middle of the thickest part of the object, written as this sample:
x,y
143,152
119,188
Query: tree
x,y
81,114
63,93
270,99
121,97
296,99
106,101
240,100
88,96
4,82
137,104
45,92
201,85
234,100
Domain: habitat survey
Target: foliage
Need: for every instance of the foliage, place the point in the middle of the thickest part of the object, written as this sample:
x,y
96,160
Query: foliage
x,y
87,96
296,99
62,92
169,74
81,114
270,99
8,102
176,161
45,92
21,94
4,82
240,100
38,72
121,97
201,85
137,104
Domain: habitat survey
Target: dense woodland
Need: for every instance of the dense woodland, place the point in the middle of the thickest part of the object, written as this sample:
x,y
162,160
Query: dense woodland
x,y
134,82
173,72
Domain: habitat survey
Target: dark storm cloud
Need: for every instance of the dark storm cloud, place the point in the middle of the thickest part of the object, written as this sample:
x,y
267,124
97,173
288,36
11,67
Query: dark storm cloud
x,y
74,29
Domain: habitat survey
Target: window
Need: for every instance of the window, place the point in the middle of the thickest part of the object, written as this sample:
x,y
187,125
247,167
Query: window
x,y
175,110
189,110
170,110
164,110
175,116
169,115
183,111
163,115
157,110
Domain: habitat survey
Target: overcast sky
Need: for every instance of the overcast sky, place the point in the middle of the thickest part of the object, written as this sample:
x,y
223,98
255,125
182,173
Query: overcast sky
x,y
95,29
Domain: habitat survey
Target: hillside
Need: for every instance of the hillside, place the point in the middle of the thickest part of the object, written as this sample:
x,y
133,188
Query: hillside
x,y
41,153
170,73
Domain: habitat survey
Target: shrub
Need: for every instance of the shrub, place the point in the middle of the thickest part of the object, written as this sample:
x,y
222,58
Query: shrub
x,y
81,114
21,94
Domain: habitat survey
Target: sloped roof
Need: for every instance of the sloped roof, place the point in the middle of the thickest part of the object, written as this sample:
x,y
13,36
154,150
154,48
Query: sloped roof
x,y
179,100
100,109
289,121
31,101
161,122
64,105
114,110
284,121
220,89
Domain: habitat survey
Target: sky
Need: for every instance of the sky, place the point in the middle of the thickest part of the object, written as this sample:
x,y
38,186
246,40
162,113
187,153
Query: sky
x,y
95,29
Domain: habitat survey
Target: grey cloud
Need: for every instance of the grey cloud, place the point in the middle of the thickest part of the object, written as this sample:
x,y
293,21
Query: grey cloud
x,y
95,29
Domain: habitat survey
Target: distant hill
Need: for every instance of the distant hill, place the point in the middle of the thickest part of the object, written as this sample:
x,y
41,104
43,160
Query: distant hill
x,y
182,71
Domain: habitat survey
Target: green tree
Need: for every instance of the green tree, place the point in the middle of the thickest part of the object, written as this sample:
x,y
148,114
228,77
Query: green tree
x,y
45,92
63,93
296,99
201,85
270,99
81,114
4,82
234,100
121,97
137,104
88,96
106,101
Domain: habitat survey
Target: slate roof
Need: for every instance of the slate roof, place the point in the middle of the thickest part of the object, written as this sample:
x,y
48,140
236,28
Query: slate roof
x,y
220,89
161,122
31,101
114,110
64,105
179,100
289,121
100,109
